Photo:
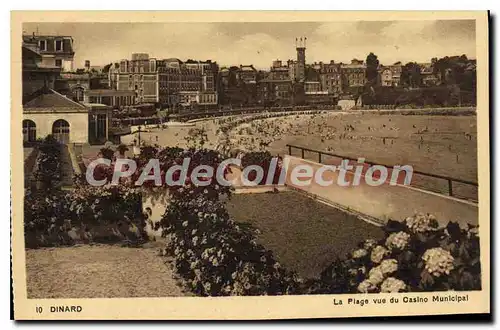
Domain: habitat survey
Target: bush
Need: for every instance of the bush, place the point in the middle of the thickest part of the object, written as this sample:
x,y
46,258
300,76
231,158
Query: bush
x,y
87,214
262,159
415,255
214,255
47,168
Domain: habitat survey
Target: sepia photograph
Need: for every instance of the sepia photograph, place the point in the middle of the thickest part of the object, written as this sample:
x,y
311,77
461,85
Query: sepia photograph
x,y
274,155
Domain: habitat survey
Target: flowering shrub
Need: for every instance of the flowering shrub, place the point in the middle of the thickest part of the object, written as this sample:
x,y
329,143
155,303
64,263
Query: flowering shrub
x,y
262,159
85,214
47,167
216,256
212,253
415,255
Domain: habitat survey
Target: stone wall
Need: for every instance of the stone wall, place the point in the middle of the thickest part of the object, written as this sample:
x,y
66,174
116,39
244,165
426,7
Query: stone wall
x,y
386,201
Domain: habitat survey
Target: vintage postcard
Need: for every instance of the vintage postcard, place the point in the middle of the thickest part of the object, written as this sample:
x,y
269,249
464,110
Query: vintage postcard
x,y
249,165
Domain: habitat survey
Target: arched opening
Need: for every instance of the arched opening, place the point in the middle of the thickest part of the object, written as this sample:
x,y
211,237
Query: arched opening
x,y
29,130
60,130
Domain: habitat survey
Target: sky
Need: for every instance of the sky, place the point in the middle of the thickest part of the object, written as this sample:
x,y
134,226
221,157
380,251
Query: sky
x,y
261,43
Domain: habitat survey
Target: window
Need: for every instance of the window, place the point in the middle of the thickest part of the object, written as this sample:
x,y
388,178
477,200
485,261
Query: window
x,y
29,131
78,92
59,45
60,130
59,63
42,44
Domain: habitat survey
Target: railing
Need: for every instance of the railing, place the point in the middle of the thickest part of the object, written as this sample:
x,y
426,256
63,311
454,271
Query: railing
x,y
448,179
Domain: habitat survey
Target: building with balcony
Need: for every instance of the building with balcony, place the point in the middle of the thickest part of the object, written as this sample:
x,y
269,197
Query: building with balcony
x,y
314,94
36,74
354,74
161,81
275,92
330,77
428,76
247,74
197,99
279,71
390,76
56,51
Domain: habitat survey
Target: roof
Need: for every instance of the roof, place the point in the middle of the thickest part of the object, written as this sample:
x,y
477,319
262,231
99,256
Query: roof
x,y
353,66
96,106
50,46
109,92
33,48
172,59
247,68
276,81
280,68
43,36
52,101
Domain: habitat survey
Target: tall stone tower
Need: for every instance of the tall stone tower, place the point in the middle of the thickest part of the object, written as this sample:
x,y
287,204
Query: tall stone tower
x,y
300,45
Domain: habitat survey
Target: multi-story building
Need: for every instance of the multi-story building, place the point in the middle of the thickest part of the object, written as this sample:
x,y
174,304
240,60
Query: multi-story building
x,y
314,94
46,111
279,71
354,74
275,92
427,74
36,73
162,81
385,76
396,69
197,99
331,77
111,97
139,75
56,51
390,76
292,69
209,71
311,87
73,85
247,74
174,78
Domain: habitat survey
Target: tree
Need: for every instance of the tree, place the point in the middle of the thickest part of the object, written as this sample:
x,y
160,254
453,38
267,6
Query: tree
x,y
410,75
106,68
312,74
372,64
456,70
